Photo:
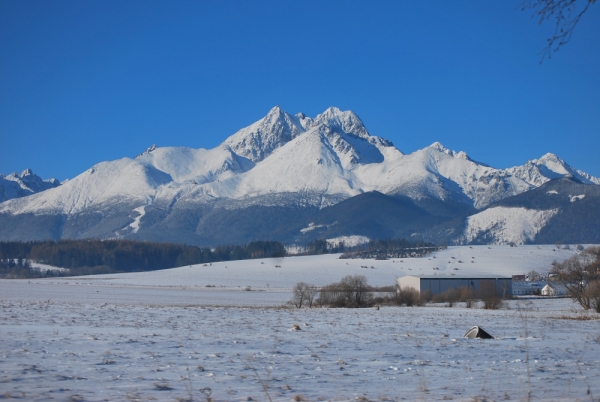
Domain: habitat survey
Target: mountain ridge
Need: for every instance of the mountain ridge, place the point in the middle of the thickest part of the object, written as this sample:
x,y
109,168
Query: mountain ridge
x,y
281,162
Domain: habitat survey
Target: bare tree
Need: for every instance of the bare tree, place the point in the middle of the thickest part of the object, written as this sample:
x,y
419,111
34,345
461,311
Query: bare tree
x,y
566,13
356,290
304,293
534,275
311,291
580,274
489,295
592,293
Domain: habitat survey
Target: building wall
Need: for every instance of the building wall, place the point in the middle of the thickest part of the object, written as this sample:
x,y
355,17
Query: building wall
x,y
503,286
409,282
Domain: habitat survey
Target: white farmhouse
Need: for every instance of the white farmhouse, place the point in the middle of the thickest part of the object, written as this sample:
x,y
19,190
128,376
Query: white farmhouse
x,y
553,290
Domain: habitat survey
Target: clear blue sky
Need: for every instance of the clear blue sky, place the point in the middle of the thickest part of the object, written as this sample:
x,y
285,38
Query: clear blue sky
x,y
87,81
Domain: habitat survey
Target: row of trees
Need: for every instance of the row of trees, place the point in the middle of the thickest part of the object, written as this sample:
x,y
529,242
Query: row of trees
x,y
85,257
351,291
373,248
392,248
322,246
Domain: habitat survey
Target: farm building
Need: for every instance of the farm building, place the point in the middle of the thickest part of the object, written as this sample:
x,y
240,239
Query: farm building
x,y
437,284
554,290
528,288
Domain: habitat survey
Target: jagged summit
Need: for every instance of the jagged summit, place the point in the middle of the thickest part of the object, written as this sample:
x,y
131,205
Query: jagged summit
x,y
148,150
260,139
460,154
345,121
17,185
277,128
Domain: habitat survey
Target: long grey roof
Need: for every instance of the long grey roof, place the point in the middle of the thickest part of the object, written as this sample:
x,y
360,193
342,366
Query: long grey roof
x,y
459,276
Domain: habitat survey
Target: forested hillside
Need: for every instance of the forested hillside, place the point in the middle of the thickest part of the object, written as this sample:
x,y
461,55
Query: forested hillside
x,y
84,257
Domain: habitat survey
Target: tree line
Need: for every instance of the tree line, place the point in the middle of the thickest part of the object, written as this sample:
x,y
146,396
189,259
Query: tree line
x,y
87,257
377,248
351,291
392,248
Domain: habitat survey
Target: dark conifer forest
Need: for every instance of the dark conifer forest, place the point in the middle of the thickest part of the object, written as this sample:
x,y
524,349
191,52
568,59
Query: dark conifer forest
x,y
87,257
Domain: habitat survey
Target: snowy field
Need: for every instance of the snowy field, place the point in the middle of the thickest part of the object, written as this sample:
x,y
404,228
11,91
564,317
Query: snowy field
x,y
165,336
270,280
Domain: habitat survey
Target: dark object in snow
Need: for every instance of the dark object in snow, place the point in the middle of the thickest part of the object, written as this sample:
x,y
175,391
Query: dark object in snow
x,y
478,332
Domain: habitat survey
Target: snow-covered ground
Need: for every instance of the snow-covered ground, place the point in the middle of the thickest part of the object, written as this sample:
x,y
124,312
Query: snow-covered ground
x,y
269,282
46,267
90,351
160,336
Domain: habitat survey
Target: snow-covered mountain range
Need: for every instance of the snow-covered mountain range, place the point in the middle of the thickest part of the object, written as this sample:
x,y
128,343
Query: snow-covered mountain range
x,y
293,166
16,185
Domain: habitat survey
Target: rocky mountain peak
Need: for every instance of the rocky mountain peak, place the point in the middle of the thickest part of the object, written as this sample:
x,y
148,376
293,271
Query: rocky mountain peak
x,y
345,121
17,185
148,150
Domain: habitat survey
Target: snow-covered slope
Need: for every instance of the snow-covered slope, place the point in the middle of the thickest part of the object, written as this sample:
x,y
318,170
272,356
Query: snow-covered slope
x,y
196,165
106,183
438,172
16,185
322,160
501,225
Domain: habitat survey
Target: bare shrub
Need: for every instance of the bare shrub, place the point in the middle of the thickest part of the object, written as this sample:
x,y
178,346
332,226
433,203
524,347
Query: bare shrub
x,y
330,295
351,291
489,295
450,296
465,293
426,296
408,296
